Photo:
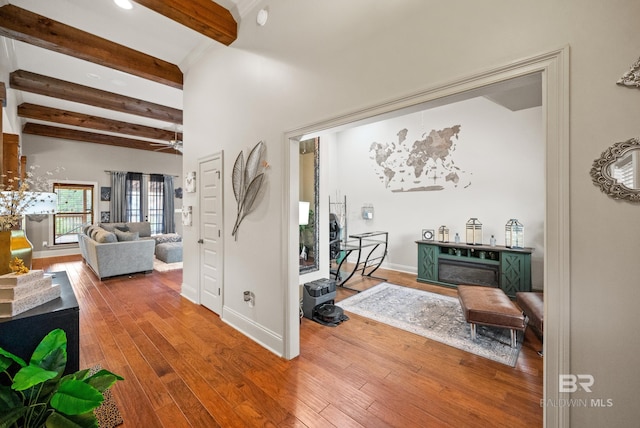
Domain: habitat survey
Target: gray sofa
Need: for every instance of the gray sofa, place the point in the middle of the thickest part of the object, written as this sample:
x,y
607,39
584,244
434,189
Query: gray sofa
x,y
112,249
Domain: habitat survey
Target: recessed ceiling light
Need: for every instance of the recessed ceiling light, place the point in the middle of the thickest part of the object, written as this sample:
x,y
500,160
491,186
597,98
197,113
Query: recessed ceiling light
x,y
119,82
262,17
125,4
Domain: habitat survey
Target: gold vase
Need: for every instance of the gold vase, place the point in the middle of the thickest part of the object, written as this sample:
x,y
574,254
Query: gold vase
x,y
5,251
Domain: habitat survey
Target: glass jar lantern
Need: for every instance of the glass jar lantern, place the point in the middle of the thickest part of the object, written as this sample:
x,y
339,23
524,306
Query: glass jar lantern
x,y
443,234
514,234
474,232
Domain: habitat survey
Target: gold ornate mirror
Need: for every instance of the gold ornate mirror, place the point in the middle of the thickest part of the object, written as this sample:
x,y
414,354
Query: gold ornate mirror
x,y
617,171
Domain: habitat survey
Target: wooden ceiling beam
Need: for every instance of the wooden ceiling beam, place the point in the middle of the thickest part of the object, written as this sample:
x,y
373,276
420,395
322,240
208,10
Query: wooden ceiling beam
x,y
204,16
25,26
65,117
51,87
92,137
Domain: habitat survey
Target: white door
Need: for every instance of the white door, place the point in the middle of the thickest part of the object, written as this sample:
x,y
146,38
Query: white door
x,y
211,245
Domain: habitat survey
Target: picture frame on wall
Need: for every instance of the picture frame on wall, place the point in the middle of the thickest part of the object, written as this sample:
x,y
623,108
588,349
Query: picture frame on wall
x,y
105,193
187,217
190,182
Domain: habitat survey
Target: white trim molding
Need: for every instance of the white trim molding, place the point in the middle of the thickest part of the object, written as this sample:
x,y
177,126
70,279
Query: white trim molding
x,y
554,68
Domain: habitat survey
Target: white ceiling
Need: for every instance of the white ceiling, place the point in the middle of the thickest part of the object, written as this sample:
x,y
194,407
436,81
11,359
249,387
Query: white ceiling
x,y
151,33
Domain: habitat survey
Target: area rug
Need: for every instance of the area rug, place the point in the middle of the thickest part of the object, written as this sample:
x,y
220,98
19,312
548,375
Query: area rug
x,y
433,316
161,266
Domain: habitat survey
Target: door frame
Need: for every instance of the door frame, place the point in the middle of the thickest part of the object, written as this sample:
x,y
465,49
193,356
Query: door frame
x,y
554,67
213,156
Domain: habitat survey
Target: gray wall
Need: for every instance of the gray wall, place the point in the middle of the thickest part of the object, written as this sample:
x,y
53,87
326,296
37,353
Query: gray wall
x,y
87,163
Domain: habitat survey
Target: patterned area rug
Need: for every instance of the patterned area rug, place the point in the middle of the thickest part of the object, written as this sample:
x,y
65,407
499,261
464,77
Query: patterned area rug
x,y
433,316
161,266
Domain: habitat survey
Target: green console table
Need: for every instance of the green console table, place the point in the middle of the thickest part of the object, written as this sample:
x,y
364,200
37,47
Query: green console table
x,y
451,264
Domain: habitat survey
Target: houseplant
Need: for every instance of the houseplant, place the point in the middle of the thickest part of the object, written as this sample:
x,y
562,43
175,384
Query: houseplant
x,y
40,396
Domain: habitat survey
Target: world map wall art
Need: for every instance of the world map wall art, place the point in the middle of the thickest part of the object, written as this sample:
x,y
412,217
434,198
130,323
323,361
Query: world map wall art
x,y
424,164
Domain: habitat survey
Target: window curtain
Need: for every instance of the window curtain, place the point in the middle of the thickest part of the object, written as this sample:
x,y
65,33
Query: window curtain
x,y
168,206
118,205
133,197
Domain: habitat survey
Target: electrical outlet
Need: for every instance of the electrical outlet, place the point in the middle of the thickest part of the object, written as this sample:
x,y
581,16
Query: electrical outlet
x,y
44,244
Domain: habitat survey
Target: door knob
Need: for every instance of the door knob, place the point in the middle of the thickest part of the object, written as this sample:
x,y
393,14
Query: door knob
x,y
200,241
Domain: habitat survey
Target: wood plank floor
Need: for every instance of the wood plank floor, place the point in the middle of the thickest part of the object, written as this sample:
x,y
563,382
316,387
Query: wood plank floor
x,y
184,367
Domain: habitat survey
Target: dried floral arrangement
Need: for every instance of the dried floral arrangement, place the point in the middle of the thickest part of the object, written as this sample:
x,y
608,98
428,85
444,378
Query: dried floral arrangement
x,y
17,195
247,180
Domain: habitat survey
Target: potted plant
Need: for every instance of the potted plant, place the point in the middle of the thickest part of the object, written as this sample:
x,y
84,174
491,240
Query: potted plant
x,y
40,396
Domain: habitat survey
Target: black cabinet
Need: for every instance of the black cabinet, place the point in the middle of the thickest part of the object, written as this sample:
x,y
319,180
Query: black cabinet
x,y
22,333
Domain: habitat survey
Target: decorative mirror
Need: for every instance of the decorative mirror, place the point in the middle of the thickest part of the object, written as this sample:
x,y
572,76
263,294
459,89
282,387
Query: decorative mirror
x,y
308,203
632,77
617,171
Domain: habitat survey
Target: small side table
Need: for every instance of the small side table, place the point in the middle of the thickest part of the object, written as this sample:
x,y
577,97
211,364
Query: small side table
x,y
22,333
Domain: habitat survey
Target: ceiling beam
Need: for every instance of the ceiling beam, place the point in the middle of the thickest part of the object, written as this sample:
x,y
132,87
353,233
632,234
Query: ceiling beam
x,y
51,87
65,117
92,137
204,16
38,30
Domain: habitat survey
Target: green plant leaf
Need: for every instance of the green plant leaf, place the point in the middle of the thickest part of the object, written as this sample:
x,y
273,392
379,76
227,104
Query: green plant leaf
x,y
31,375
10,417
55,361
85,420
8,357
56,339
75,397
9,399
103,379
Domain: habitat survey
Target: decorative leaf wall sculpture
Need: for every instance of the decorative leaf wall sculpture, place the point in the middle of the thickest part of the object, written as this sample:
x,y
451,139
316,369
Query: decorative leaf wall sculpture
x,y
247,181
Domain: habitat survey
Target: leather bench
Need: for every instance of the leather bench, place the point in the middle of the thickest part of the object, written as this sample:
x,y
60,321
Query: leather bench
x,y
490,306
532,304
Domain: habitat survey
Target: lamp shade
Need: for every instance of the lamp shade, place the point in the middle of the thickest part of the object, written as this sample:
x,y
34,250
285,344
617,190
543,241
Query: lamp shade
x,y
303,215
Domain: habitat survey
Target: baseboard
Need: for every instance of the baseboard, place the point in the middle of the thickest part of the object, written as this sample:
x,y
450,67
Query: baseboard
x,y
56,253
400,268
256,332
189,293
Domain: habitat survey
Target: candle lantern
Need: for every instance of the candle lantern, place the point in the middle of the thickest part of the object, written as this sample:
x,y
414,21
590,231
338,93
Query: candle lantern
x,y
474,232
443,234
514,234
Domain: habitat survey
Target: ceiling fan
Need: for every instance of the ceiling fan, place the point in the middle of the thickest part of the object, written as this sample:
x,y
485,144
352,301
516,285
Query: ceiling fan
x,y
175,143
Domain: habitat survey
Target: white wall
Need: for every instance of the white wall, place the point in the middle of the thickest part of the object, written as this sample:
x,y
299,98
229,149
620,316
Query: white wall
x,y
318,60
500,154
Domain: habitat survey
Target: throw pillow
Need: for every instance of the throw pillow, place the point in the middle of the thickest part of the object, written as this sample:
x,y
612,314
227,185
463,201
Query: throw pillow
x,y
126,236
143,228
104,237
167,237
111,226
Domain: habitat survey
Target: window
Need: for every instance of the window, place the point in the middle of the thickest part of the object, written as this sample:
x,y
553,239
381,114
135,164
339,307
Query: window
x,y
75,209
145,200
155,209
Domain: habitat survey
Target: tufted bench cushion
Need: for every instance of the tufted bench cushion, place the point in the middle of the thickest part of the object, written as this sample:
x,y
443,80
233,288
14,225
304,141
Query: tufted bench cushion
x,y
490,306
169,252
532,304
